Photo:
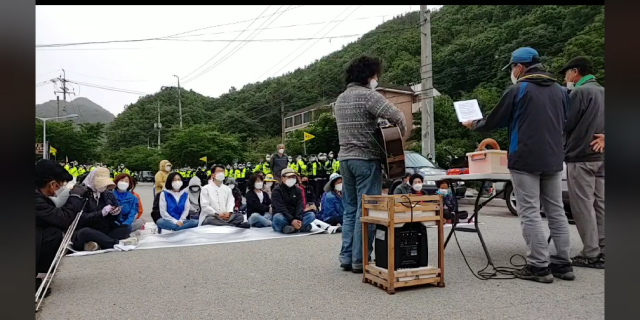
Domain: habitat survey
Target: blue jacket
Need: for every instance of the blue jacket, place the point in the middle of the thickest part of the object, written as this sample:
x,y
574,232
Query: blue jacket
x,y
331,206
130,206
534,110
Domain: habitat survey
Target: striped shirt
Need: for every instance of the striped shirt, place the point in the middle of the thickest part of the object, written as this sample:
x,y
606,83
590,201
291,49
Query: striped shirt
x,y
357,111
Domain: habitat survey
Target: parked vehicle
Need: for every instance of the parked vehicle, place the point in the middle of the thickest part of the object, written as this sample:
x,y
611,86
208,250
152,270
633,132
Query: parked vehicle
x,y
510,196
147,176
417,163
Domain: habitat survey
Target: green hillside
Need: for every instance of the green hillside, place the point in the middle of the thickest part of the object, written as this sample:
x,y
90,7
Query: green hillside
x,y
470,46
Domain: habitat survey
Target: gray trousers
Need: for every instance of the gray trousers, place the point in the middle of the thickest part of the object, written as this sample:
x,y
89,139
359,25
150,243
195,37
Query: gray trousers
x,y
532,190
215,220
586,195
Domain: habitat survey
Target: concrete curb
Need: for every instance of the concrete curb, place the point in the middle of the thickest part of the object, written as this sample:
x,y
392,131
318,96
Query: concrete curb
x,y
496,202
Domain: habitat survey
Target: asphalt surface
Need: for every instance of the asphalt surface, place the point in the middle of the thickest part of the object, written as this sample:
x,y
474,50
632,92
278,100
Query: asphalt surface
x,y
299,277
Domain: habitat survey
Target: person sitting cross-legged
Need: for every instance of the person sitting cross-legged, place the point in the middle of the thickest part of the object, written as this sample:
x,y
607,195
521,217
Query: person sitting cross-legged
x,y
258,204
174,206
288,206
332,207
217,203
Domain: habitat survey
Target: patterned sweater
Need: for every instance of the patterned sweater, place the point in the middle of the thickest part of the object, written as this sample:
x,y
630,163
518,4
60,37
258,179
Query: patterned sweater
x,y
357,111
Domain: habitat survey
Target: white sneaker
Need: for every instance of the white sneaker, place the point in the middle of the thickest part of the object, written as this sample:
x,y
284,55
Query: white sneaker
x,y
129,241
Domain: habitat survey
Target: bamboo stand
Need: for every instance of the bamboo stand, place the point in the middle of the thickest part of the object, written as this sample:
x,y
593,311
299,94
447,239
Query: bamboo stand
x,y
388,211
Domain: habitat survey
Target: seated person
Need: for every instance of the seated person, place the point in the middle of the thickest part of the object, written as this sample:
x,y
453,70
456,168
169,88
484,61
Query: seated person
x,y
405,186
237,195
288,206
416,184
53,220
217,203
128,201
258,204
311,201
332,208
174,206
326,188
102,231
450,203
269,182
195,186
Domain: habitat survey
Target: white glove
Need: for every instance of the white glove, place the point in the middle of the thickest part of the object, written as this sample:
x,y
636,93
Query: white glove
x,y
106,210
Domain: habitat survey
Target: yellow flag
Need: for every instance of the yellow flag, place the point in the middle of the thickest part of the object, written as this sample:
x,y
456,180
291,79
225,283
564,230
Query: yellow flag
x,y
308,136
52,150
203,159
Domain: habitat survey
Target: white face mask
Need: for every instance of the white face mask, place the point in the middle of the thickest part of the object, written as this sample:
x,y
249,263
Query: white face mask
x,y
290,182
373,84
269,184
513,77
176,185
570,85
122,186
219,176
444,191
338,186
280,151
417,186
231,186
167,168
258,185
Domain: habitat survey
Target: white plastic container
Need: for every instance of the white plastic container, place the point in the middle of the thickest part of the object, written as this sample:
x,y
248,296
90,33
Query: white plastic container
x,y
488,161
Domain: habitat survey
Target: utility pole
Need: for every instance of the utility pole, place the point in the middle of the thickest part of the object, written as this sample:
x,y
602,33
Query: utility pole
x,y
179,102
282,114
158,125
58,100
426,73
63,87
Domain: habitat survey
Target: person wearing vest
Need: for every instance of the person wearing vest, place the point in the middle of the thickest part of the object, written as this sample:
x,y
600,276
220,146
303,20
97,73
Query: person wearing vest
x,y
81,171
302,165
335,164
294,164
72,169
241,173
317,174
264,166
174,206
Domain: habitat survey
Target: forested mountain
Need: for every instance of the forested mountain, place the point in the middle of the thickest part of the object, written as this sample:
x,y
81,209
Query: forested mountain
x,y
87,110
470,45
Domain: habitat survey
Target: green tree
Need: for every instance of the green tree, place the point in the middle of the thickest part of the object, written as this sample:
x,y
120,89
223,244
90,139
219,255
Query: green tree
x,y
190,144
77,142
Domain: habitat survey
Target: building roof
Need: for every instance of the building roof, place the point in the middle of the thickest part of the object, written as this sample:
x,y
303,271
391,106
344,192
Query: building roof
x,y
382,86
314,106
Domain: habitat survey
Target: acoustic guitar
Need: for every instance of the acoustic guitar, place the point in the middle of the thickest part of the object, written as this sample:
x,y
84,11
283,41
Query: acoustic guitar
x,y
392,153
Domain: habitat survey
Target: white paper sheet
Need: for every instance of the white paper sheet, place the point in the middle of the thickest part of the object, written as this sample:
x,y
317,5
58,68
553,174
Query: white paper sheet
x,y
467,110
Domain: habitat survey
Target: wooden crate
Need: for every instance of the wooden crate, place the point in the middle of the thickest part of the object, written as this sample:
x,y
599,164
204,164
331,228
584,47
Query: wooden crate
x,y
425,209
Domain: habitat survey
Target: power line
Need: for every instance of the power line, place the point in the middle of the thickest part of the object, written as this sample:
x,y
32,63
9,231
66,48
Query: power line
x,y
154,38
298,48
88,76
240,46
109,88
252,22
301,53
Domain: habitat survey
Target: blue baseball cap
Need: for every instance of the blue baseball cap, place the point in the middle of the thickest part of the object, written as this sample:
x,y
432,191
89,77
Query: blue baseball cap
x,y
522,55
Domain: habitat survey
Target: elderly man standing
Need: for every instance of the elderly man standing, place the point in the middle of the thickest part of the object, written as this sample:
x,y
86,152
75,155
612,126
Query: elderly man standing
x,y
534,109
278,162
585,164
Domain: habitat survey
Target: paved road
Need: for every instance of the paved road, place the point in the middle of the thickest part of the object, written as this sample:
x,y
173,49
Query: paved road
x,y
299,277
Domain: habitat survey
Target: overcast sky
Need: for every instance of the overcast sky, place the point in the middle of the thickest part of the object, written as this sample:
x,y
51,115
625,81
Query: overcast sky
x,y
145,66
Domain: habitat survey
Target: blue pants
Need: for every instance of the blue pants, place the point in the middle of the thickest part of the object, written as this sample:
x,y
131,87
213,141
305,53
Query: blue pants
x,y
358,177
257,220
168,225
279,221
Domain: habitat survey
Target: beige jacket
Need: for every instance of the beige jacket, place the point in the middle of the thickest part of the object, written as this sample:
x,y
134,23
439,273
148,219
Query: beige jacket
x,y
161,176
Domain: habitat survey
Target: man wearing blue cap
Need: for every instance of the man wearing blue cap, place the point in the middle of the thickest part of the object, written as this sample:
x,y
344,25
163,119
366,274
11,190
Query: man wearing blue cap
x,y
534,109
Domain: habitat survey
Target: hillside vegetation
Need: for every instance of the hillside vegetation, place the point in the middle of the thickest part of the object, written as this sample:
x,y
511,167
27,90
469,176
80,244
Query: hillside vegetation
x,y
470,46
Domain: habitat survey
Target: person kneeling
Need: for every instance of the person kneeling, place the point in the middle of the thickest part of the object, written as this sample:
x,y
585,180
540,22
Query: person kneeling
x,y
174,206
258,203
217,203
289,207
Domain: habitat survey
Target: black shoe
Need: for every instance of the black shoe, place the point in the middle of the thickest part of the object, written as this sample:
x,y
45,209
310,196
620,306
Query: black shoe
x,y
562,271
580,261
244,225
288,230
306,228
532,273
602,259
345,266
38,283
356,270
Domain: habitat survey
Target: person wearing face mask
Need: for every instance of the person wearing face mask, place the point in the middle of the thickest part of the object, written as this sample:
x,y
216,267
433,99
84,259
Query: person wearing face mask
x,y
161,175
269,182
235,191
53,217
194,188
332,207
405,186
360,155
103,231
258,204
534,110
450,203
279,161
217,203
128,201
288,206
264,166
174,206
310,198
416,183
585,165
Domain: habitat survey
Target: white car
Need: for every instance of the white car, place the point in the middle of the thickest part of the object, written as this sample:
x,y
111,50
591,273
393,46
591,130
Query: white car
x,y
510,196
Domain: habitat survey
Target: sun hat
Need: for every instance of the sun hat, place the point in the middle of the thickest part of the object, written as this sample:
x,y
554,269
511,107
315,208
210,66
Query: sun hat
x,y
102,178
287,172
269,178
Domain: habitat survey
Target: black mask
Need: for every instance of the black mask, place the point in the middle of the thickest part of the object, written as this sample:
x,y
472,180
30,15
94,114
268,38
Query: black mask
x,y
305,183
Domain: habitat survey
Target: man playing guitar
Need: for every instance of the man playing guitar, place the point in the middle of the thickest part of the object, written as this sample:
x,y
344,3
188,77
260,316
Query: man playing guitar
x,y
357,111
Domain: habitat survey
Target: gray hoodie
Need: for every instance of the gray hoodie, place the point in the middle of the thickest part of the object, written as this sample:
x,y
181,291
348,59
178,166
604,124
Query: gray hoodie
x,y
194,197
